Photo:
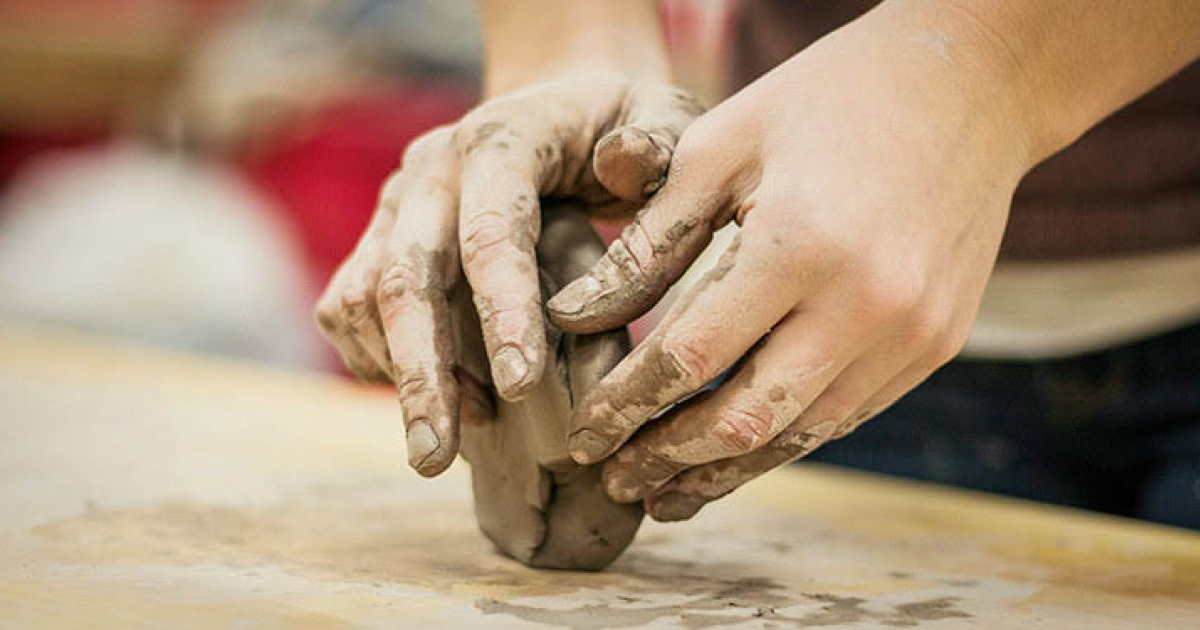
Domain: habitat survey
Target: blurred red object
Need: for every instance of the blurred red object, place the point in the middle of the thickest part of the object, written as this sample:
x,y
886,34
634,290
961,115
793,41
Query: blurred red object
x,y
326,175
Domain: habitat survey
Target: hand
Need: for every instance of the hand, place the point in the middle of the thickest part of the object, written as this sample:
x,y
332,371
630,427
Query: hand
x,y
871,176
470,192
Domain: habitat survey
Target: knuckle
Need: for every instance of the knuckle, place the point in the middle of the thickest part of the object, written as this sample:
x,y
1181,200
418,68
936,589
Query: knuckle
x,y
484,235
691,360
363,371
509,320
328,313
797,441
888,293
701,139
948,345
410,384
742,430
825,250
427,146
354,304
683,102
390,192
399,280
837,410
651,465
482,128
634,251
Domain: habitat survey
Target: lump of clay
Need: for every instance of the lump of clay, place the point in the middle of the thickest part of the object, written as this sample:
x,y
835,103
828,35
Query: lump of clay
x,y
531,499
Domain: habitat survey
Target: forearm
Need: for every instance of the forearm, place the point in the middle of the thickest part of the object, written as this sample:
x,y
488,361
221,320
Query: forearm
x,y
530,40
1068,64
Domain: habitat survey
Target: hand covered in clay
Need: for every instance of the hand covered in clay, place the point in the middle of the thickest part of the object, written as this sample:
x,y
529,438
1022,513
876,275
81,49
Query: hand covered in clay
x,y
871,177
469,193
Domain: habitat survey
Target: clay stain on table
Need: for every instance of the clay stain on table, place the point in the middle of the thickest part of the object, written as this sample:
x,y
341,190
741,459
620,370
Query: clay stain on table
x,y
342,535
733,602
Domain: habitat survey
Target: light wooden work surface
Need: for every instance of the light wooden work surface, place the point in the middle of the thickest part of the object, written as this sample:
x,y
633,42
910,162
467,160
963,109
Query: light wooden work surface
x,y
140,489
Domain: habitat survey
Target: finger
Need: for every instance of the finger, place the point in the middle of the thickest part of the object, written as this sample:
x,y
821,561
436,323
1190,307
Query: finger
x,y
413,309
895,389
498,231
773,388
852,399
847,401
568,247
346,311
705,332
684,495
651,253
340,316
631,160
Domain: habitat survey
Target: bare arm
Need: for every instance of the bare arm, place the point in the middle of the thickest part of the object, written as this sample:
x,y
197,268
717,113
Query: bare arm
x,y
1075,61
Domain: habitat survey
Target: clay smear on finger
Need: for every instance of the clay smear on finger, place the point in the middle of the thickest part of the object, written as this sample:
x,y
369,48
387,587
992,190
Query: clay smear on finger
x,y
514,334
423,375
684,496
631,163
646,382
634,273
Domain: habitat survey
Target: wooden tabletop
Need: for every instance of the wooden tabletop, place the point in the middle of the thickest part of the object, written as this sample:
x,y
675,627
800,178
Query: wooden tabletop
x,y
145,489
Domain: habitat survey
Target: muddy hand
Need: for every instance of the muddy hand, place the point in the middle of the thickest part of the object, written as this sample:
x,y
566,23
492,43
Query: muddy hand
x,y
870,211
467,195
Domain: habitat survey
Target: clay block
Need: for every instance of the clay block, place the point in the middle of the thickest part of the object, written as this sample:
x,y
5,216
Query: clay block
x,y
535,503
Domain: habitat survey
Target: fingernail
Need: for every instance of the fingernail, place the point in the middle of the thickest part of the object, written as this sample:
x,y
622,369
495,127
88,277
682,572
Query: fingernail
x,y
510,368
674,506
622,487
576,296
653,185
422,442
586,446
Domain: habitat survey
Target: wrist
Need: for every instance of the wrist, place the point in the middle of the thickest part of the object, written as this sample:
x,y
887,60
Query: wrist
x,y
503,75
964,52
567,37
994,50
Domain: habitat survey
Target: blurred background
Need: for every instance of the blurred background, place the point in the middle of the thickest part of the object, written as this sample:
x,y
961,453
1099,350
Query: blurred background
x,y
189,173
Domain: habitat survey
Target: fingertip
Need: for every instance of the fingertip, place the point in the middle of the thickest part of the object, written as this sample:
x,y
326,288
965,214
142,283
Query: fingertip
x,y
586,307
587,447
573,307
630,163
516,372
672,506
428,453
620,486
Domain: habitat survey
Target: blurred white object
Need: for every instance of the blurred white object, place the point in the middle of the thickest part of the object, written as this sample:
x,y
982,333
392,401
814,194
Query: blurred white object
x,y
133,242
255,76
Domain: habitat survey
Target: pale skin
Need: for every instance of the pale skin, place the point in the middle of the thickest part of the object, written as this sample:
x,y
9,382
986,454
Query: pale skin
x,y
464,205
871,176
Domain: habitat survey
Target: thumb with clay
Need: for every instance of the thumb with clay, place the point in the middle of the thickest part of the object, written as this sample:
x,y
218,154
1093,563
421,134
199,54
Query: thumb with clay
x,y
631,160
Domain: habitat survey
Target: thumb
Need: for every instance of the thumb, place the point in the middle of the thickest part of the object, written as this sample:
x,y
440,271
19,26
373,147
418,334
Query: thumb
x,y
631,160
652,253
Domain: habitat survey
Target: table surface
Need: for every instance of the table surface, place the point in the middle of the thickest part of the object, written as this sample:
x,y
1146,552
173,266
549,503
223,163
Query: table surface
x,y
146,489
